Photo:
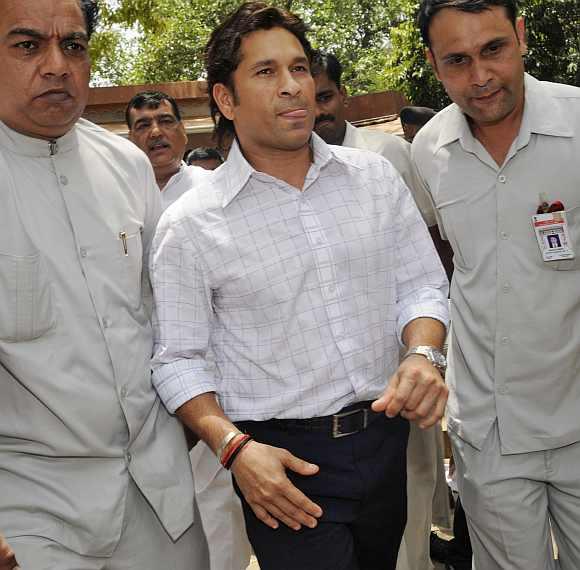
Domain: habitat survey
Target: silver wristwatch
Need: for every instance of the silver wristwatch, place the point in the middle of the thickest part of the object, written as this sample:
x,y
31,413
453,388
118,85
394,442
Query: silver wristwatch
x,y
432,354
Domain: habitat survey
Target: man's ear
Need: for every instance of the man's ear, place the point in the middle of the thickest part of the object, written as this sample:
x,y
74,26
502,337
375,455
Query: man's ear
x,y
431,59
224,99
521,33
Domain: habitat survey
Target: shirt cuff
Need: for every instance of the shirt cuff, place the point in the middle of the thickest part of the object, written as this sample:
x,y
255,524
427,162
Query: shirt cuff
x,y
437,310
182,380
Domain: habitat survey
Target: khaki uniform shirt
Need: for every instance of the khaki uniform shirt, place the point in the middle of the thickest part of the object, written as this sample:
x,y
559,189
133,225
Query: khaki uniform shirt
x,y
78,414
515,348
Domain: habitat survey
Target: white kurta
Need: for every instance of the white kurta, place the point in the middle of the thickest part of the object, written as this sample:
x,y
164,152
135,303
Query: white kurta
x,y
78,415
186,178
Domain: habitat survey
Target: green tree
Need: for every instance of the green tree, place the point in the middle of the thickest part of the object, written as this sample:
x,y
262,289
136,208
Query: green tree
x,y
148,41
172,34
553,40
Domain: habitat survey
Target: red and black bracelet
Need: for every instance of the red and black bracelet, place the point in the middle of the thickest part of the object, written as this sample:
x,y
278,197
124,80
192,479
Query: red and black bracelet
x,y
235,449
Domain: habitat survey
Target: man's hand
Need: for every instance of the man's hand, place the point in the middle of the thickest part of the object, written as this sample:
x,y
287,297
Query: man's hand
x,y
260,472
416,391
7,558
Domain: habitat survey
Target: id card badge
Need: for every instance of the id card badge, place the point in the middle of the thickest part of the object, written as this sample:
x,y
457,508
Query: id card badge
x,y
553,237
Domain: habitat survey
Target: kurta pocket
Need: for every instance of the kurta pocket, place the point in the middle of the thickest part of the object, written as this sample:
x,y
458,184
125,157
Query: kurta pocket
x,y
26,302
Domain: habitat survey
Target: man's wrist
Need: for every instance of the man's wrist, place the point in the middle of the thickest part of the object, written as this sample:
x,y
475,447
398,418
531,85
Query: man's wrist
x,y
432,353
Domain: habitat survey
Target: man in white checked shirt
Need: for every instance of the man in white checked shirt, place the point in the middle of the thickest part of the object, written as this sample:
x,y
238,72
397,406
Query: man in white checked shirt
x,y
301,268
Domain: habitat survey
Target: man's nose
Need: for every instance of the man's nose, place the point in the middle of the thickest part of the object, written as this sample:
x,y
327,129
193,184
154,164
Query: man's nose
x,y
288,85
480,73
54,62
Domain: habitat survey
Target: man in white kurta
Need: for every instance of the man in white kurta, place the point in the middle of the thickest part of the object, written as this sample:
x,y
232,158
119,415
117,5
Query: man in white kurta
x,y
94,472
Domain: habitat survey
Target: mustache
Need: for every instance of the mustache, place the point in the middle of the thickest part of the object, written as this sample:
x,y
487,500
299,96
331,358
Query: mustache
x,y
322,118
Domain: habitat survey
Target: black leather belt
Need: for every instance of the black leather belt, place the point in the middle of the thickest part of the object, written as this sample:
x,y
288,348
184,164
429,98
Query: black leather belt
x,y
350,420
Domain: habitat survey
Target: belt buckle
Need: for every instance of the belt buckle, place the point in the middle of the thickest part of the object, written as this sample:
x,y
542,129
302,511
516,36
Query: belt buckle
x,y
336,433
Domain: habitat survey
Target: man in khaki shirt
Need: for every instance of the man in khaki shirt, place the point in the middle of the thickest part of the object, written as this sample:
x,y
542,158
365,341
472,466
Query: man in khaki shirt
x,y
507,148
94,472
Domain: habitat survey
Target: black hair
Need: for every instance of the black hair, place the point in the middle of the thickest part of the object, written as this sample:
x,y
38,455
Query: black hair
x,y
204,153
329,64
150,100
222,52
416,115
90,10
429,8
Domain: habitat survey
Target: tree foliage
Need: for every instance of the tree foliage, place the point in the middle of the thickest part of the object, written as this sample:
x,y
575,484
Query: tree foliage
x,y
151,41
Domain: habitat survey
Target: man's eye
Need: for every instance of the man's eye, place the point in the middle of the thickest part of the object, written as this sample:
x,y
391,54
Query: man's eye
x,y
265,71
75,46
492,50
301,68
167,121
28,45
323,98
456,60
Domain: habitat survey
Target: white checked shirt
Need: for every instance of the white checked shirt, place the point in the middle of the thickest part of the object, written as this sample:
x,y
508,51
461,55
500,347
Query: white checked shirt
x,y
301,297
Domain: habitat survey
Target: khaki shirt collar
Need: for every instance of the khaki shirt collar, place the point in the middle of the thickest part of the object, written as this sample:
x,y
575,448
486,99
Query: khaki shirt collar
x,y
543,115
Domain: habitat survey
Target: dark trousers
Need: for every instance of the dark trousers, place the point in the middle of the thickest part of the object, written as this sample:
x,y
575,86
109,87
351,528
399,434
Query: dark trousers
x,y
361,488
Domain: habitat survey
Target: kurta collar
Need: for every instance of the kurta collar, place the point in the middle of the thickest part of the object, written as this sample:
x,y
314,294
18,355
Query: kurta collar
x,y
33,147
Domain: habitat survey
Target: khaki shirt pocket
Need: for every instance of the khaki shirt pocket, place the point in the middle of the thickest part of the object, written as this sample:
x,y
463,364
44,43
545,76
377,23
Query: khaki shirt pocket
x,y
573,218
26,298
459,232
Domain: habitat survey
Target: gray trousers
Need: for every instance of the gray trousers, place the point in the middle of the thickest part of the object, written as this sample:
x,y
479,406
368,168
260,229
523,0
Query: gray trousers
x,y
510,501
427,496
144,545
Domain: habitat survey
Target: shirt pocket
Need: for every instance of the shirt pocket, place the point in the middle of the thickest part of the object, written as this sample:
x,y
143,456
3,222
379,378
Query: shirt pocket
x,y
26,298
131,256
459,232
573,218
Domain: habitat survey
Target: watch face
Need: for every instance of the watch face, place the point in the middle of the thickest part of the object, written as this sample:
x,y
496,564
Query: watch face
x,y
435,357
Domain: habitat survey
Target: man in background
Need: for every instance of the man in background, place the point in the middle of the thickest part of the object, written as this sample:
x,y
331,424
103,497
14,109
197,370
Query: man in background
x,y
413,119
425,450
155,126
206,157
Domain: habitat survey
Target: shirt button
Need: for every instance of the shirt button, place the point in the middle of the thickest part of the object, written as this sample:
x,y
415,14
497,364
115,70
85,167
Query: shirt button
x,y
504,340
506,287
83,252
503,390
124,392
128,457
504,235
501,178
106,323
63,179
